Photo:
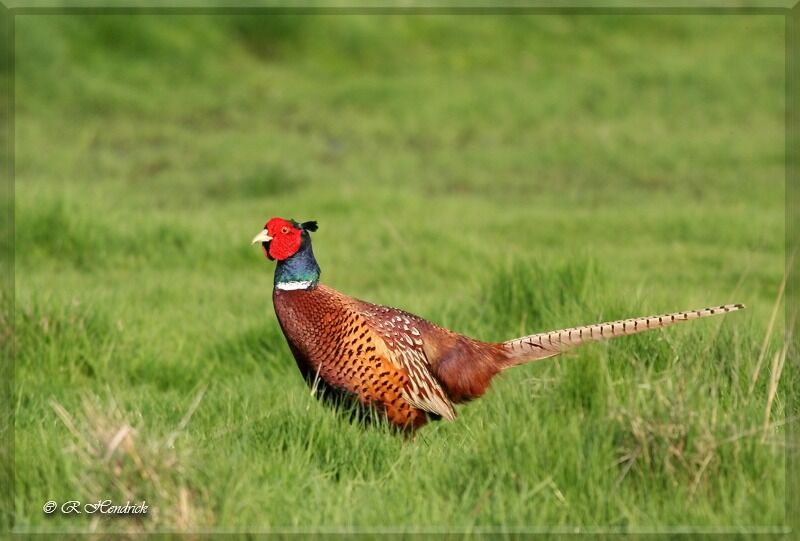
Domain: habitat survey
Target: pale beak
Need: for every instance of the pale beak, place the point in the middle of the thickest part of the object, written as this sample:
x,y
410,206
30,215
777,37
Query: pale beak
x,y
263,236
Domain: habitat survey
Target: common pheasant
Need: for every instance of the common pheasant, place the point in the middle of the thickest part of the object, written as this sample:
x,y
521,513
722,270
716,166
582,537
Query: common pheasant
x,y
392,361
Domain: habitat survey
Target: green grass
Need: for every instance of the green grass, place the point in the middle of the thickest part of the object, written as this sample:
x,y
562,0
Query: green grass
x,y
498,175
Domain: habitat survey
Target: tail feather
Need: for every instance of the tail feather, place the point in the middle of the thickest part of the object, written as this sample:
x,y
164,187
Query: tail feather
x,y
543,345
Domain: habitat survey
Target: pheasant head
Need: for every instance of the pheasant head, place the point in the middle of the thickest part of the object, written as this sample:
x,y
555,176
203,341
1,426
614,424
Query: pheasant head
x,y
288,242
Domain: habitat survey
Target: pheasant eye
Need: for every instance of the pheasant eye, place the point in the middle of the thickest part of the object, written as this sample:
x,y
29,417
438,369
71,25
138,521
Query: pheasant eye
x,y
285,230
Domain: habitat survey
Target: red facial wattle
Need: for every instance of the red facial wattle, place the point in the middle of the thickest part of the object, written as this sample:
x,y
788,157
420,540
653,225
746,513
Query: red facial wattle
x,y
286,239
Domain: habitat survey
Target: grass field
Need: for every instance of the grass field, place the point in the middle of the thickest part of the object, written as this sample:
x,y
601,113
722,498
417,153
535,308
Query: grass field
x,y
498,175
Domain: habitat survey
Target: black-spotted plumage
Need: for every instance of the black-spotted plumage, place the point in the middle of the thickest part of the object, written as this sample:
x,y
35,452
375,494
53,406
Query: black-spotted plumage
x,y
390,360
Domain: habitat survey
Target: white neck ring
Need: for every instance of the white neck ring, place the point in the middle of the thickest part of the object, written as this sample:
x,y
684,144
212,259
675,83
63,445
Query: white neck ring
x,y
291,286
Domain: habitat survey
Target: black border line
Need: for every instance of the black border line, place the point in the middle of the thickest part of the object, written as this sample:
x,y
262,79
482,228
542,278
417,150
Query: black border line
x,y
792,201
410,10
7,265
792,139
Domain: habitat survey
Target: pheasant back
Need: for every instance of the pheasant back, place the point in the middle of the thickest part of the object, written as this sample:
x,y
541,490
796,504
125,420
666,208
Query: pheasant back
x,y
408,368
389,359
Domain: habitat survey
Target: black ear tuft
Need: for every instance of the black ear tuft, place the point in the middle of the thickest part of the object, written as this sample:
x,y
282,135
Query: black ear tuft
x,y
309,226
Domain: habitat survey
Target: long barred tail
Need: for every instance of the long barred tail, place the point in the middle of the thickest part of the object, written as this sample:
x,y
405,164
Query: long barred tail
x,y
543,345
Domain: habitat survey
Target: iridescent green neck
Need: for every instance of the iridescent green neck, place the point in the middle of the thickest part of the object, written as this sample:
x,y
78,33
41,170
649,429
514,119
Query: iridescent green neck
x,y
300,270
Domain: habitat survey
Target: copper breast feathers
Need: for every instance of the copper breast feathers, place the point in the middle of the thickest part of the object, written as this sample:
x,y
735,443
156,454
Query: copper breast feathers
x,y
375,352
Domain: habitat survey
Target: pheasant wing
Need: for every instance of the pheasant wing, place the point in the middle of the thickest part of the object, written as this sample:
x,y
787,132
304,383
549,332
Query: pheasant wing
x,y
404,348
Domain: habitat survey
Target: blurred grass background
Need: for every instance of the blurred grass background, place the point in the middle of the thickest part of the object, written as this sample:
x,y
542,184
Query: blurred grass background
x,y
499,175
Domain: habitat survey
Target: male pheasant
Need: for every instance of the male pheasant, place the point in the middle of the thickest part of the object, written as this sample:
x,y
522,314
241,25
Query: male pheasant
x,y
400,364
